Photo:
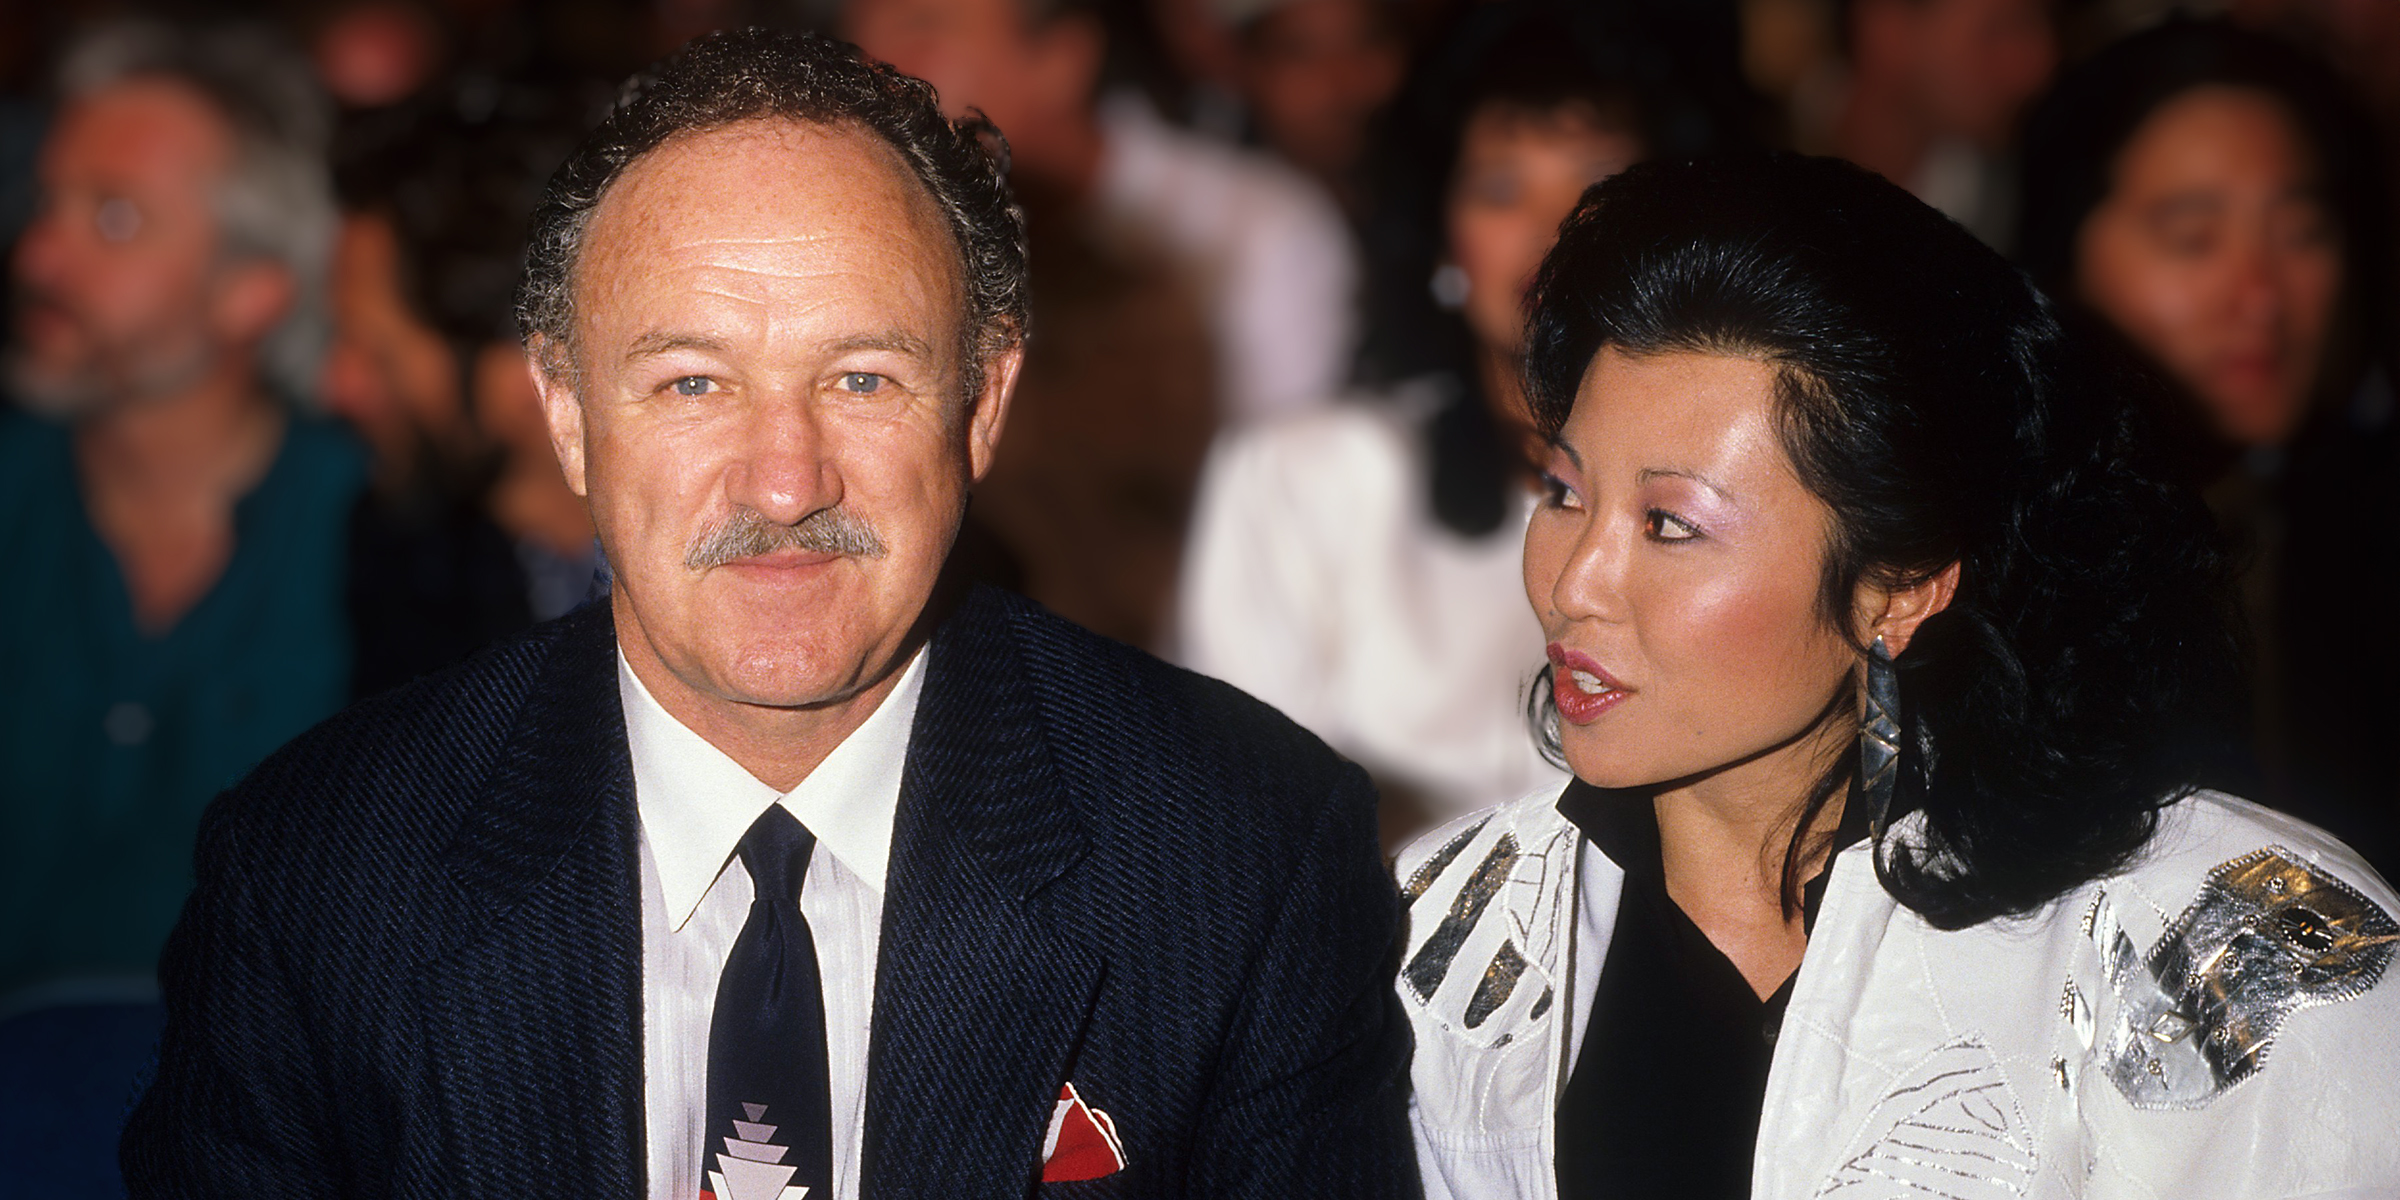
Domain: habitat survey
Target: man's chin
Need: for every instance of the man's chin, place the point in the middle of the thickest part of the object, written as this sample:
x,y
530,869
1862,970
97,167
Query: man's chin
x,y
48,392
792,683
795,665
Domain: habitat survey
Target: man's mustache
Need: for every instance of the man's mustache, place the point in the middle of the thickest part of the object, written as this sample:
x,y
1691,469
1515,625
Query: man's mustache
x,y
747,533
25,298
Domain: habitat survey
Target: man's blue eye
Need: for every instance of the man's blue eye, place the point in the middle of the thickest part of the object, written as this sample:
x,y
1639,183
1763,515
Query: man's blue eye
x,y
693,385
863,383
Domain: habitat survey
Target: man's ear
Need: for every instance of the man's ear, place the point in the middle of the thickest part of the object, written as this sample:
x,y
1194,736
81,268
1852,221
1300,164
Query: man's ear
x,y
562,408
251,299
1902,610
990,413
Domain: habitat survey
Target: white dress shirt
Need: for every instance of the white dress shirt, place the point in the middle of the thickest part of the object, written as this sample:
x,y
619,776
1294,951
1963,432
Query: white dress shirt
x,y
695,804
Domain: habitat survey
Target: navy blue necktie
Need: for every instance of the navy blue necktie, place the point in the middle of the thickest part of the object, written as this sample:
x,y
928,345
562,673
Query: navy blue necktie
x,y
770,1109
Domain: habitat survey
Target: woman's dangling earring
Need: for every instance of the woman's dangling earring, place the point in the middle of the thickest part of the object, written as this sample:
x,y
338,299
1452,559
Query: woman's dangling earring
x,y
1879,738
1449,287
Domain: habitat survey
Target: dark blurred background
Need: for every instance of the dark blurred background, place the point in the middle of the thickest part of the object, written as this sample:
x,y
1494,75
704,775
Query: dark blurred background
x,y
268,444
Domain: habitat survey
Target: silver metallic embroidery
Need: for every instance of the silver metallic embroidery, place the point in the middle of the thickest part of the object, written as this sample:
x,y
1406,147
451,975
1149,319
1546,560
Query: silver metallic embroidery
x,y
1432,959
1439,862
1482,915
2267,936
1499,979
1949,1127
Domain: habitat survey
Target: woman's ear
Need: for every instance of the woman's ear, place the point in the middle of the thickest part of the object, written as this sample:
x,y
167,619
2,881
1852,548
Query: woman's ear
x,y
1895,614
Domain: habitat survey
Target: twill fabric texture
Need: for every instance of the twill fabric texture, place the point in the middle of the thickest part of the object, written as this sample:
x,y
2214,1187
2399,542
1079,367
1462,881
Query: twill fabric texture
x,y
412,965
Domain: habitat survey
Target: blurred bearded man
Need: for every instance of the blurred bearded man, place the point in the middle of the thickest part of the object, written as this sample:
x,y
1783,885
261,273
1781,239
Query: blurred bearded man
x,y
786,873
177,530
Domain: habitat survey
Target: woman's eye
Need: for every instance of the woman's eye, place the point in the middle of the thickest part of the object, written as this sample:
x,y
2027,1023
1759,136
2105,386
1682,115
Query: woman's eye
x,y
117,220
1556,493
1665,526
694,385
2187,238
862,383
2305,231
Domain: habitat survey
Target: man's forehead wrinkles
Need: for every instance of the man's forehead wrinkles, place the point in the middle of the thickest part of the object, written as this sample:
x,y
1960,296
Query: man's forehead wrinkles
x,y
769,260
891,277
792,237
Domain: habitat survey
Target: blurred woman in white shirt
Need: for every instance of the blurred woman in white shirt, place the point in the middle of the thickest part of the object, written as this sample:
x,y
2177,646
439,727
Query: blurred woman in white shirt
x,y
1359,567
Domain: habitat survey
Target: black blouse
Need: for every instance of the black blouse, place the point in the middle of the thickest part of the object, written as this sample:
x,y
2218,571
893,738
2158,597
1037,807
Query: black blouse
x,y
1666,1092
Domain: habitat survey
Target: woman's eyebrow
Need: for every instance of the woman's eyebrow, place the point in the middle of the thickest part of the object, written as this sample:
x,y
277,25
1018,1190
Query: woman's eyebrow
x,y
1646,474
1559,444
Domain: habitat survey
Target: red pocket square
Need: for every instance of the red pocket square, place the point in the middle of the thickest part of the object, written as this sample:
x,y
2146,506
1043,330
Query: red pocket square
x,y
1082,1142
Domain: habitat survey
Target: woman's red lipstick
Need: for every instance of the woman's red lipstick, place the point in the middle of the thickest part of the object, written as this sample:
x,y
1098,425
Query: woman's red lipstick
x,y
1584,691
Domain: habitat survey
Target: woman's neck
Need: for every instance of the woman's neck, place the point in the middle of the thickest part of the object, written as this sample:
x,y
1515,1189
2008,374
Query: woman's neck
x,y
1723,839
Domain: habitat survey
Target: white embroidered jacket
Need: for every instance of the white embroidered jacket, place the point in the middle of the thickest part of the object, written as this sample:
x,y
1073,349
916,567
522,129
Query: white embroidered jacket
x,y
2205,1023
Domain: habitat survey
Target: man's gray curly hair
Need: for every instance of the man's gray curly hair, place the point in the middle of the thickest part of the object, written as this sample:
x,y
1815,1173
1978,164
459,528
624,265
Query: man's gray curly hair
x,y
276,199
725,78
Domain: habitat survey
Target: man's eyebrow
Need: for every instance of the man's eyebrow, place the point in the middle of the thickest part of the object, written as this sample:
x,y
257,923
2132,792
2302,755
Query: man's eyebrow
x,y
896,341
660,341
2189,200
1646,474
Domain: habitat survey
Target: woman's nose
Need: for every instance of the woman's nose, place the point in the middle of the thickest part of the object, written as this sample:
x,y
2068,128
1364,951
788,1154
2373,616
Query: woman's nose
x,y
1590,584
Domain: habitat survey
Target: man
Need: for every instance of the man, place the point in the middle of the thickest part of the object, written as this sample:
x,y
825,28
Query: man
x,y
176,608
1315,74
1935,92
469,533
1268,249
779,876
1184,286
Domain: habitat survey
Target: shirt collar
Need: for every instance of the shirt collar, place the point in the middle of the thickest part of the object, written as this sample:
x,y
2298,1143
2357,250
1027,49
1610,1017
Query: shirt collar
x,y
696,802
1624,825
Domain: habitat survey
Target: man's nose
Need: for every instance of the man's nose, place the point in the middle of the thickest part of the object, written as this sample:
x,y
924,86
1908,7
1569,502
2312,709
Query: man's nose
x,y
42,250
2258,282
784,467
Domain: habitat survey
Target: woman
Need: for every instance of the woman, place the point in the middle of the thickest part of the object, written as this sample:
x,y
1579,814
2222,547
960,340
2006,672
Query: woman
x,y
1358,567
2210,196
1881,650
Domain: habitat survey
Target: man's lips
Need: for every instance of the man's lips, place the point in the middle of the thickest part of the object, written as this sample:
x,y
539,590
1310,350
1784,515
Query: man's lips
x,y
1583,689
42,323
784,560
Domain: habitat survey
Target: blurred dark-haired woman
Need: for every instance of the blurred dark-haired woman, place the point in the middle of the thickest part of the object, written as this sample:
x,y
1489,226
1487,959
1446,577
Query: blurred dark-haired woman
x,y
1359,567
2211,196
1884,655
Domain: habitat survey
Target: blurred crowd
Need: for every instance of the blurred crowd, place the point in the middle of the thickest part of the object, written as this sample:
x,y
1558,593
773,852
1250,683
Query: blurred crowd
x,y
270,444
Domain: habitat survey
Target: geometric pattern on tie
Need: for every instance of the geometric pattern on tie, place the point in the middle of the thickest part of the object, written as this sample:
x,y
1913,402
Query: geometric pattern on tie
x,y
769,1103
751,1166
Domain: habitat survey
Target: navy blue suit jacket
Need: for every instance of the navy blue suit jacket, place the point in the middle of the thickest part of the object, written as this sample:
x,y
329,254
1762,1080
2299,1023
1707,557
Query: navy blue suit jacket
x,y
412,965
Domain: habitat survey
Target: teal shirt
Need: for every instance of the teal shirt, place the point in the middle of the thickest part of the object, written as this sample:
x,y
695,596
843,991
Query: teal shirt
x,y
112,741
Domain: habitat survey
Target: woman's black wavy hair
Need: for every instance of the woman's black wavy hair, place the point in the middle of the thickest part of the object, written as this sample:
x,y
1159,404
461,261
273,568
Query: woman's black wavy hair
x,y
2076,134
1667,80
1931,398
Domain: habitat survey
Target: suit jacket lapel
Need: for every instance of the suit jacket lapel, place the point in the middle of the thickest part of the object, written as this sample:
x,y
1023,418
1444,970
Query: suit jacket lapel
x,y
981,991
533,1021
